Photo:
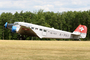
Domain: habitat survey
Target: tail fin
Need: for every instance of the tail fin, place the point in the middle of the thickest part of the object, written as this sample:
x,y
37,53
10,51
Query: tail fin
x,y
81,30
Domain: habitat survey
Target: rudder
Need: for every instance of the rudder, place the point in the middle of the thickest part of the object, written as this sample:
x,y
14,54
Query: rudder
x,y
82,30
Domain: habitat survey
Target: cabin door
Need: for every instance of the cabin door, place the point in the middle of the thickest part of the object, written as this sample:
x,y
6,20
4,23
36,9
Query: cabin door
x,y
44,32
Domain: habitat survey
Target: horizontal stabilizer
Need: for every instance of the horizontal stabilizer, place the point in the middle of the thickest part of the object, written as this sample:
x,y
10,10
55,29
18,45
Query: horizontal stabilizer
x,y
75,33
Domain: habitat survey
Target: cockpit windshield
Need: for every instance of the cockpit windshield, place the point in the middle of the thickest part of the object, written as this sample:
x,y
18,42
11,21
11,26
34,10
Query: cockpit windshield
x,y
16,23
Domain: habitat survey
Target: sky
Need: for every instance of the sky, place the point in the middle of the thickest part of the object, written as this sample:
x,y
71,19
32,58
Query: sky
x,y
47,5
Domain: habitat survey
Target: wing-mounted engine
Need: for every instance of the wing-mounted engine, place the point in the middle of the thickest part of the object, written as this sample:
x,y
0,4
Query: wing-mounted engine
x,y
14,29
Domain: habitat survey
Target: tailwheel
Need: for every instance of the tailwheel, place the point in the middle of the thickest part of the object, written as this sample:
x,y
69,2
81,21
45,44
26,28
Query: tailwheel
x,y
79,39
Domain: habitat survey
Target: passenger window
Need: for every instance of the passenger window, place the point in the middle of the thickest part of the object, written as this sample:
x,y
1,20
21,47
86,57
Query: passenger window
x,y
45,30
40,29
32,27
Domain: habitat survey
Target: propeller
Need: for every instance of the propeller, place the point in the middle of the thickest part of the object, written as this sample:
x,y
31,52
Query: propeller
x,y
5,25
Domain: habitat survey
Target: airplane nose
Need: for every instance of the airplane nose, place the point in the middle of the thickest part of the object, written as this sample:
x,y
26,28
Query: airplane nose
x,y
9,26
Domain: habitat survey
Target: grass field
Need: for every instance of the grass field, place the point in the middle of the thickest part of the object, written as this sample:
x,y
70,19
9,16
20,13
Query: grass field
x,y
44,50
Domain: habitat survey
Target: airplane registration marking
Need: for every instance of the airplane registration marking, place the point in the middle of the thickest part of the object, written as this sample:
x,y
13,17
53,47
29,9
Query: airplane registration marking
x,y
25,29
61,34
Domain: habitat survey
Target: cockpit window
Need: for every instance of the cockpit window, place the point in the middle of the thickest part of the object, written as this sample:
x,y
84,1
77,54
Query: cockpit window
x,y
36,28
15,23
32,27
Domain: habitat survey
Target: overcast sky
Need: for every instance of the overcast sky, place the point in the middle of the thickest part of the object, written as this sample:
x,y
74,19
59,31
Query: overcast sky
x,y
46,5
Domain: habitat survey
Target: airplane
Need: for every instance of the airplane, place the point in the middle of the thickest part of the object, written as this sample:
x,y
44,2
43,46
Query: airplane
x,y
29,29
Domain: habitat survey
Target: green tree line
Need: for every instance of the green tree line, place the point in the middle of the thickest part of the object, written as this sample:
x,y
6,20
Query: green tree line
x,y
67,21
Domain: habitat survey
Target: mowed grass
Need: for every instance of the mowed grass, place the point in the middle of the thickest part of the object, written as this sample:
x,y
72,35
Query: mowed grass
x,y
44,50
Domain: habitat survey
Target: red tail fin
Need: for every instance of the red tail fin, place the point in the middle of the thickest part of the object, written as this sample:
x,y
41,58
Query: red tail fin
x,y
81,29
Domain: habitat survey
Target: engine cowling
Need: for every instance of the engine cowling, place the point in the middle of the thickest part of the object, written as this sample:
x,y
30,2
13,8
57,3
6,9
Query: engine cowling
x,y
14,29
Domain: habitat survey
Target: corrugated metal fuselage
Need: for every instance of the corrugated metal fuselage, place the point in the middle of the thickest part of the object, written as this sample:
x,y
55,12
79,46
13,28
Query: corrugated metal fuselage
x,y
44,32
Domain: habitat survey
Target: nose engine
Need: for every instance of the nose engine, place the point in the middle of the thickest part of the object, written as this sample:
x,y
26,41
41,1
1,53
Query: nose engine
x,y
11,27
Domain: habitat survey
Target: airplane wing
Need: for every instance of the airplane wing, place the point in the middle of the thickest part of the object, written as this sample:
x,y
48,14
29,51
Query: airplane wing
x,y
26,31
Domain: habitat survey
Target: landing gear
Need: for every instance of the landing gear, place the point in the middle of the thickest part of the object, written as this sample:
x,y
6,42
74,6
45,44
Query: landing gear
x,y
21,37
79,39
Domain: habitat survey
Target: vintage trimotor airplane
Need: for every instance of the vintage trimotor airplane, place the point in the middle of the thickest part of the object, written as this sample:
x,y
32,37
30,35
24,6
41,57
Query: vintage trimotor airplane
x,y
29,29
